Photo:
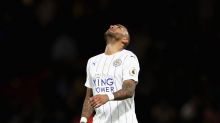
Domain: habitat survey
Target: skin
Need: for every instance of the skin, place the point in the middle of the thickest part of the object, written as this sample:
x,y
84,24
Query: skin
x,y
87,108
127,91
117,38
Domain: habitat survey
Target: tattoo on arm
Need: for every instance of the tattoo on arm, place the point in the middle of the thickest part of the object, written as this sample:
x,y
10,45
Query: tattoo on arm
x,y
87,109
127,91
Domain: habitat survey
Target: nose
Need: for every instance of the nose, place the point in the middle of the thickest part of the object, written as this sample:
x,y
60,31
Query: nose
x,y
111,26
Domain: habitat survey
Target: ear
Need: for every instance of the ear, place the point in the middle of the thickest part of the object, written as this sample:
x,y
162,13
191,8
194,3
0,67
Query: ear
x,y
125,40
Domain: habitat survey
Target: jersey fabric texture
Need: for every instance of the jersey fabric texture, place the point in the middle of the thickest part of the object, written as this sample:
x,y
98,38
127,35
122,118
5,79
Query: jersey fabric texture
x,y
105,74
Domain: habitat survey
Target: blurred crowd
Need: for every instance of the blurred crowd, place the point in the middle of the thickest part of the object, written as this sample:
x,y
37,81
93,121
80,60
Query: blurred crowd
x,y
45,45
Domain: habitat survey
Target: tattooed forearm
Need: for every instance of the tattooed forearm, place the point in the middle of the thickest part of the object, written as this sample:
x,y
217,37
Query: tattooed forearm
x,y
87,109
127,91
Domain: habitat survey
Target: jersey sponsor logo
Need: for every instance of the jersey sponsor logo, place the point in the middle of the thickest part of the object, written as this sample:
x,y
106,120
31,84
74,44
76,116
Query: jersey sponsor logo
x,y
104,84
117,62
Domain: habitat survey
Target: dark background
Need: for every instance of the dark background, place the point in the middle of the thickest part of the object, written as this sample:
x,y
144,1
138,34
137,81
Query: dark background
x,y
45,44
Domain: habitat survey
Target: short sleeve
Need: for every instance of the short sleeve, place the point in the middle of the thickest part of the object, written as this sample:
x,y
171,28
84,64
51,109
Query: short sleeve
x,y
131,68
88,76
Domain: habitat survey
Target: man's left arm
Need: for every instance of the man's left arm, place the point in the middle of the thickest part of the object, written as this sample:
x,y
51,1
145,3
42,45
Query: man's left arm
x,y
127,91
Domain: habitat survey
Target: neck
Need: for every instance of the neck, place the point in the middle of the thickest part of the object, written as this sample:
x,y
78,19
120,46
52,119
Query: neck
x,y
113,48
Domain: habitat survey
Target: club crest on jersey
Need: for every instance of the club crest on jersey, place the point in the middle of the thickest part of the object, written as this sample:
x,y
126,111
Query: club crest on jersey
x,y
117,62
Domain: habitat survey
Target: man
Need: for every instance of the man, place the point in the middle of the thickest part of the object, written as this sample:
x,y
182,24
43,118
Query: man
x,y
111,80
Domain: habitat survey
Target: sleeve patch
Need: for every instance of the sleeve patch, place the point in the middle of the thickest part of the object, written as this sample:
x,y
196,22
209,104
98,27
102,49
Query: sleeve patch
x,y
132,71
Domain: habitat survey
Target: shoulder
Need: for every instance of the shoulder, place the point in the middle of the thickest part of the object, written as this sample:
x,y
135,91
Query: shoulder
x,y
130,54
95,58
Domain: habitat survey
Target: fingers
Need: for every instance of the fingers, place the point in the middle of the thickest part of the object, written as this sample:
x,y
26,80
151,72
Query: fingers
x,y
98,100
95,102
98,105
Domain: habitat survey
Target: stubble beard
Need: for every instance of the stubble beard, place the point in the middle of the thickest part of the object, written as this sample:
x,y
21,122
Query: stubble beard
x,y
112,36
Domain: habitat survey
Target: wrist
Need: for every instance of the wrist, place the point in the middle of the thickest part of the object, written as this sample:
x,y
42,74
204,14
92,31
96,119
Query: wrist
x,y
110,96
83,120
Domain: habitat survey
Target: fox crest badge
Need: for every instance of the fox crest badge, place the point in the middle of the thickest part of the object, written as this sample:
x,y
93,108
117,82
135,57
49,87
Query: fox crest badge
x,y
117,62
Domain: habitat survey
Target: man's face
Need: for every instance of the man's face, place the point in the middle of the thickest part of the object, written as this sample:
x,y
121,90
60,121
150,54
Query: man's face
x,y
116,31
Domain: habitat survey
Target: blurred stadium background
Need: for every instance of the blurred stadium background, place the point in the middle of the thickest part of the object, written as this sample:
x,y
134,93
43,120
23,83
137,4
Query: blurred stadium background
x,y
45,44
